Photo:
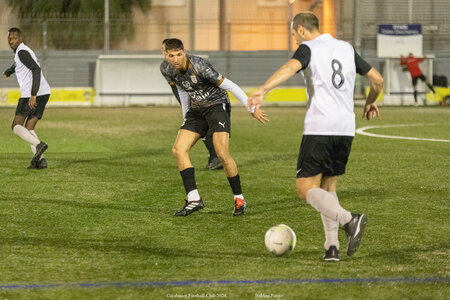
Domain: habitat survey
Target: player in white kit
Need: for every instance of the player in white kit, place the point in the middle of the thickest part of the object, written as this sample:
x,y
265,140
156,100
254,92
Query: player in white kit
x,y
329,67
34,91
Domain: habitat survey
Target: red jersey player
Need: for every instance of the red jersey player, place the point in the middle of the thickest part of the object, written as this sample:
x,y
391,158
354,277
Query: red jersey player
x,y
412,63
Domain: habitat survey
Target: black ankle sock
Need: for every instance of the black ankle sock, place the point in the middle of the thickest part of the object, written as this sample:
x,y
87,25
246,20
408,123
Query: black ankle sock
x,y
415,96
235,183
188,179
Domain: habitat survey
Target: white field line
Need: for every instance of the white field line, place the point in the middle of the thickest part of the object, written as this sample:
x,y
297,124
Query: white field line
x,y
363,129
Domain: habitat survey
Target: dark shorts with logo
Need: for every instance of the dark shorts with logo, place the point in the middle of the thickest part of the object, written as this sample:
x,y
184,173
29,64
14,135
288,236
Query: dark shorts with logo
x,y
323,154
24,110
215,118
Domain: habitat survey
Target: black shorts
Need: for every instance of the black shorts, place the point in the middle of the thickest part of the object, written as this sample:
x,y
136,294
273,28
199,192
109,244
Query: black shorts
x,y
415,79
215,118
323,154
24,110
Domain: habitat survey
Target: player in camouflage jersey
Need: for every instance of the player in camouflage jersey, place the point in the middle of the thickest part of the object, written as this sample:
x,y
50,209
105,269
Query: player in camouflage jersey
x,y
204,101
213,161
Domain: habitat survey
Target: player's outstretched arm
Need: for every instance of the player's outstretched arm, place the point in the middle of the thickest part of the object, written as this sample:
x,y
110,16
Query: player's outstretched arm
x,y
239,94
286,71
8,72
376,84
260,115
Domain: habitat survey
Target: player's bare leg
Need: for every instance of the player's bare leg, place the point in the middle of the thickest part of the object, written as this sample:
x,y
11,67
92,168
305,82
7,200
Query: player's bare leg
x,y
221,142
304,184
183,143
213,161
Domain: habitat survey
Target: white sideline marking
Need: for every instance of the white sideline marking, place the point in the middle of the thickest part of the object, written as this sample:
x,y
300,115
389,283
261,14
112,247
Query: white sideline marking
x,y
362,131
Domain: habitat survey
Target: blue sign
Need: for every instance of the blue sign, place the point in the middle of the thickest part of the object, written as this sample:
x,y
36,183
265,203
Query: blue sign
x,y
400,29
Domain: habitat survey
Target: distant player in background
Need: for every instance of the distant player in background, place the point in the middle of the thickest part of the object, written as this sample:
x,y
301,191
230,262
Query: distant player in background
x,y
35,92
329,67
213,161
412,63
205,105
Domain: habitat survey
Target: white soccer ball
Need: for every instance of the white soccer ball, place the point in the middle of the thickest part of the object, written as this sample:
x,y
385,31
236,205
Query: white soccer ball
x,y
280,240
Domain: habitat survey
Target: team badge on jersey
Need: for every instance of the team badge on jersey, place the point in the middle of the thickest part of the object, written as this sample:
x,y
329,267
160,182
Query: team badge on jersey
x,y
186,84
194,79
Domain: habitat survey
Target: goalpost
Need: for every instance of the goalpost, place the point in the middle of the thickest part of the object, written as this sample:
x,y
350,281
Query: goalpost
x,y
394,40
123,80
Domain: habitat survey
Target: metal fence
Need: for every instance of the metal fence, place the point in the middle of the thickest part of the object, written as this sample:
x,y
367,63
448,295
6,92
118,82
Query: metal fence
x,y
71,43
241,29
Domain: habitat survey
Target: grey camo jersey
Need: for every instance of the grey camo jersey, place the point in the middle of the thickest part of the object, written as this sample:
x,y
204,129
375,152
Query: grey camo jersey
x,y
200,81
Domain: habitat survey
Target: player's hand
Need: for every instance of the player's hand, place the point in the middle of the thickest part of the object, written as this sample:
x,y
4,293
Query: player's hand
x,y
5,77
32,102
255,100
371,111
260,115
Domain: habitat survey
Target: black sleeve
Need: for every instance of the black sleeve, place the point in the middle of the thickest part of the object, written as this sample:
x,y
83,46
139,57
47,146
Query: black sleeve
x,y
10,71
303,55
175,92
30,63
362,66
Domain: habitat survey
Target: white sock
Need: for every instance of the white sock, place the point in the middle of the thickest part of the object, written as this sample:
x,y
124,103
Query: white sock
x,y
33,148
331,228
325,203
239,196
193,195
26,135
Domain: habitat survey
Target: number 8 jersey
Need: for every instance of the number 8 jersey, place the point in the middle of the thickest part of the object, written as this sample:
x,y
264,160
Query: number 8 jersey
x,y
329,74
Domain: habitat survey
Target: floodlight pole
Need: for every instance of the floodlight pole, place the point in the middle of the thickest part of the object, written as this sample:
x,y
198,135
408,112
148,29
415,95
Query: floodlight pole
x,y
192,25
356,26
222,25
44,46
410,11
106,28
289,23
357,44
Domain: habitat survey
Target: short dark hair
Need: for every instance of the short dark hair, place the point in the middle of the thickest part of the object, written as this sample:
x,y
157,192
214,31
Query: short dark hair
x,y
173,44
15,29
307,20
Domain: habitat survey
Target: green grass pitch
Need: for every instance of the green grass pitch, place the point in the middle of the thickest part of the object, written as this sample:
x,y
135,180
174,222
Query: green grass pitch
x,y
102,213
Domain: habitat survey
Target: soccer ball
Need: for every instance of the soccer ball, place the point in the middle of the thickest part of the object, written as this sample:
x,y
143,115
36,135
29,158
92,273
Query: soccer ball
x,y
280,240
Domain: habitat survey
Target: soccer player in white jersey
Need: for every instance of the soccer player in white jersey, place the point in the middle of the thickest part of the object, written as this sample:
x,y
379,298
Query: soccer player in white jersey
x,y
205,103
329,67
35,92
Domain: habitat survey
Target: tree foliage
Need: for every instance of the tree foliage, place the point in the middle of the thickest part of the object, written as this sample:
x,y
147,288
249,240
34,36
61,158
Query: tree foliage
x,y
76,24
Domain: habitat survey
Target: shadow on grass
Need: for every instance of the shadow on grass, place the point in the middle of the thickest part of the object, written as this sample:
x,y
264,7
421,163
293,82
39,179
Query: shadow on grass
x,y
128,247
407,255
261,208
75,204
117,156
